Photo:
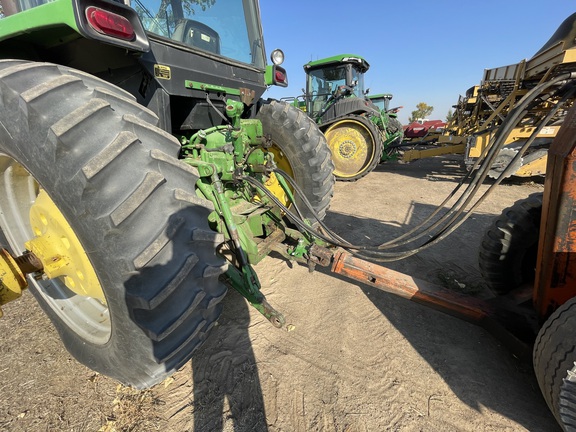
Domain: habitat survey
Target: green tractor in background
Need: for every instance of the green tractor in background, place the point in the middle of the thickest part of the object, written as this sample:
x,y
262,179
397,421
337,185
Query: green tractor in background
x,y
393,126
382,102
359,133
140,168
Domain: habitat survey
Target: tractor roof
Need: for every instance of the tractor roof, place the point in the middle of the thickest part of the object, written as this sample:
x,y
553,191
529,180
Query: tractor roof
x,y
380,95
356,60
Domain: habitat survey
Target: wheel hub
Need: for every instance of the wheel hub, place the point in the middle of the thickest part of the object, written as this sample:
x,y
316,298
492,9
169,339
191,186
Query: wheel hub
x,y
347,149
352,147
60,251
12,278
272,184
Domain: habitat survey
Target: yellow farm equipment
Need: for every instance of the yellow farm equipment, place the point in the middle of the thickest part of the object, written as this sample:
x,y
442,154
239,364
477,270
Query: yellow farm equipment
x,y
480,112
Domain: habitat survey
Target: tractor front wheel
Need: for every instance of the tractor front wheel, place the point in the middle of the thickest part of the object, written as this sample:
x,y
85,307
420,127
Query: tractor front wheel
x,y
95,189
356,147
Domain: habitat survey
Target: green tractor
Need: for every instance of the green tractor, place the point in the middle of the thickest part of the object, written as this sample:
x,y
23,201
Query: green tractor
x,y
140,169
142,173
359,133
388,121
381,100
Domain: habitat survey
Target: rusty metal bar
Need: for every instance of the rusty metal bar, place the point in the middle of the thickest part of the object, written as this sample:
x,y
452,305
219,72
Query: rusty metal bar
x,y
494,315
460,305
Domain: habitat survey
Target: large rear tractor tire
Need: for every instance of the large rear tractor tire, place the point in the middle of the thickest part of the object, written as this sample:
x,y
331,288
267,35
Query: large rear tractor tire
x,y
84,169
554,364
356,147
508,251
301,151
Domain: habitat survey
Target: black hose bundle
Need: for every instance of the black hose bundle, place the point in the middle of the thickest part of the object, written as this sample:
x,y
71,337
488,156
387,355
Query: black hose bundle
x,y
436,227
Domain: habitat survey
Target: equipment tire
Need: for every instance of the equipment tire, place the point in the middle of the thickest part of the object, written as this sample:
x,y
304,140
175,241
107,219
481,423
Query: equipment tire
x,y
394,126
508,251
554,364
115,179
302,146
353,163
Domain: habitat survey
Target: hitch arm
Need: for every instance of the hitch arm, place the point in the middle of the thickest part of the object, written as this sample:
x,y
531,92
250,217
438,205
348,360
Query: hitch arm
x,y
420,291
237,278
501,317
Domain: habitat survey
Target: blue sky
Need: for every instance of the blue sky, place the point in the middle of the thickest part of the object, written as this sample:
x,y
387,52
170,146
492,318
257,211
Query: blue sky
x,y
420,51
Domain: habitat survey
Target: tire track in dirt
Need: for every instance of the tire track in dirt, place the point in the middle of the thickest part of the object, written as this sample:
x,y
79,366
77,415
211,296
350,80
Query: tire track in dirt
x,y
337,355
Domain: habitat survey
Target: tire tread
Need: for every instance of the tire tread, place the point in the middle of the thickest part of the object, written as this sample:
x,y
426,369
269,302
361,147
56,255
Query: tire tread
x,y
103,162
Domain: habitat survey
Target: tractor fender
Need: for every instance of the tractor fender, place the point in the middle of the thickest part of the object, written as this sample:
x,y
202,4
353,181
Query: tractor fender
x,y
347,106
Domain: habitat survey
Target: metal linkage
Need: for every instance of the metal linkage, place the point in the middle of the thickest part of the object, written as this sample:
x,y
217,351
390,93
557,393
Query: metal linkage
x,y
12,274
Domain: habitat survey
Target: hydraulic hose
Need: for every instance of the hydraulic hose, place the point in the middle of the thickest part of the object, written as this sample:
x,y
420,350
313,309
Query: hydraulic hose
x,y
486,159
459,212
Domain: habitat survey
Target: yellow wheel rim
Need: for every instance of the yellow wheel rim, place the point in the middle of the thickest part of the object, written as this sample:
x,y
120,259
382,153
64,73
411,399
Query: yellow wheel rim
x,y
69,287
352,146
273,185
60,251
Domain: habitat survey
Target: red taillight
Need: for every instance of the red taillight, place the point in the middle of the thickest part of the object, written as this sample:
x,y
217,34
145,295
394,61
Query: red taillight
x,y
109,23
280,77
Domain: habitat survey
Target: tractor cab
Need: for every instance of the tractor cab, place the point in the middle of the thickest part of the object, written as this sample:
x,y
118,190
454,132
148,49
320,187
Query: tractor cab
x,y
185,58
333,77
225,28
382,101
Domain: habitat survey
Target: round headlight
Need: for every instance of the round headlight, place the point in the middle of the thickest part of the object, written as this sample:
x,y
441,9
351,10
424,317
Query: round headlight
x,y
277,57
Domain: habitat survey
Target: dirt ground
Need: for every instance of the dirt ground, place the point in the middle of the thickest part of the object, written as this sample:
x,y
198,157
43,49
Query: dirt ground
x,y
355,359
